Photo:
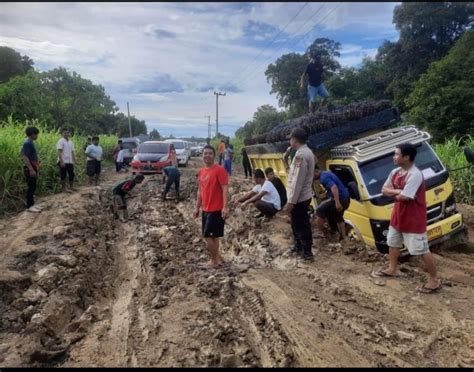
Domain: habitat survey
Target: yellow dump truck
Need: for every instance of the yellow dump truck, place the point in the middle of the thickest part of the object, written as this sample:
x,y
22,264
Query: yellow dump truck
x,y
363,165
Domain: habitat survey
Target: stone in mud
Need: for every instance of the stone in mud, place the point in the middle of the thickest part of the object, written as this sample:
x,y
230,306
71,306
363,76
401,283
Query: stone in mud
x,y
28,313
67,260
70,243
405,336
59,231
34,295
48,276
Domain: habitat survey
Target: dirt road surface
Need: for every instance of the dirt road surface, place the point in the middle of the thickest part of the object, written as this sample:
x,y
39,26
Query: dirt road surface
x,y
79,288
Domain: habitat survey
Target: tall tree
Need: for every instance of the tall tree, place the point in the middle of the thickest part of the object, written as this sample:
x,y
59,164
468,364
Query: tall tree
x,y
285,72
264,119
155,135
13,64
443,98
427,31
138,126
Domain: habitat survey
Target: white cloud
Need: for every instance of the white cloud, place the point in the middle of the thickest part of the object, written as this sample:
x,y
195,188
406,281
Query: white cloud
x,y
194,45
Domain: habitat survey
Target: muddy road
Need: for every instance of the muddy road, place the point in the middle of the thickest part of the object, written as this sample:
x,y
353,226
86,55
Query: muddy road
x,y
81,289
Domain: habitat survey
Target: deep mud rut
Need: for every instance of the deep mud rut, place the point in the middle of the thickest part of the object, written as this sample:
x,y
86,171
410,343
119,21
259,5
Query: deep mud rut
x,y
81,289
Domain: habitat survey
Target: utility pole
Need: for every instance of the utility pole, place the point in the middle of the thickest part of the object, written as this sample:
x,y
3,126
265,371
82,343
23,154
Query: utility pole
x,y
217,94
129,123
208,125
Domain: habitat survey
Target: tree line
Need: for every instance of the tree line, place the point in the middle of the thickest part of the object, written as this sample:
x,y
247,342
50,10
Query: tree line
x,y
58,98
428,73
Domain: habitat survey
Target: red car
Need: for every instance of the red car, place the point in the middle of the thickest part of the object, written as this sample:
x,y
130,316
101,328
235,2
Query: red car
x,y
151,157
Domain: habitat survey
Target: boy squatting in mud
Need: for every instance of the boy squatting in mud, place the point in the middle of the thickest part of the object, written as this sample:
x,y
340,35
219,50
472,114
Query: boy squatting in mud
x,y
120,190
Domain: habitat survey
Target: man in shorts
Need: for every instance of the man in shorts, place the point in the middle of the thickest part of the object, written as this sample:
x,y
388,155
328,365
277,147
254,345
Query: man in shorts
x,y
120,190
333,208
408,221
316,88
212,198
94,158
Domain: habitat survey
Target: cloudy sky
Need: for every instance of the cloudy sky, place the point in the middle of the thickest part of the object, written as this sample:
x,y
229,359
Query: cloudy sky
x,y
167,59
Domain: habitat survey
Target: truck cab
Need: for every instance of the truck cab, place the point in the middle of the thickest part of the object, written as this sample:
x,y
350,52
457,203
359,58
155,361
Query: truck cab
x,y
363,165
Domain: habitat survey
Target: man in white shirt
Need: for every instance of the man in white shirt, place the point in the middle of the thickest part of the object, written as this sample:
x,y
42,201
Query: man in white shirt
x,y
66,160
264,196
94,157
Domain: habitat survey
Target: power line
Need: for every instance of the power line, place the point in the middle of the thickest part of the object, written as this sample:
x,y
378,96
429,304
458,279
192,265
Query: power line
x,y
256,70
270,43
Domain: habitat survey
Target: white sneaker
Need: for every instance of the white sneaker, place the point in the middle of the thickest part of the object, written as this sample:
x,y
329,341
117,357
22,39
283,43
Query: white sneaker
x,y
33,209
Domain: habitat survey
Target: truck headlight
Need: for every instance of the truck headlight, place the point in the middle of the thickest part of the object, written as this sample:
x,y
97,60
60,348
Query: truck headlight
x,y
450,206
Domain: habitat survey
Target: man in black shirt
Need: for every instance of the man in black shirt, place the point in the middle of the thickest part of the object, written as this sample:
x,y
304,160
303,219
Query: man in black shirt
x,y
314,70
278,185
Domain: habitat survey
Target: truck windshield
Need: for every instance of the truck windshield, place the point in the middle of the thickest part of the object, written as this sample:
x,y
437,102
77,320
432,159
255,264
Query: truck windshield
x,y
153,148
375,172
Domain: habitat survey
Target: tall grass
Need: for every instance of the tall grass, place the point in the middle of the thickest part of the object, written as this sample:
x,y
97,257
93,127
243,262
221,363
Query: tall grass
x,y
452,155
12,182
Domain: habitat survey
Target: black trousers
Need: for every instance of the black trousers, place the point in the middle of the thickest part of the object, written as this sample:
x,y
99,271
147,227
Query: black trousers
x,y
266,208
30,192
118,166
301,226
69,169
169,183
247,168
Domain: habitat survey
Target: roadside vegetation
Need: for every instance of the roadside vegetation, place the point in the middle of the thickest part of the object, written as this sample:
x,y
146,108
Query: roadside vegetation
x,y
12,184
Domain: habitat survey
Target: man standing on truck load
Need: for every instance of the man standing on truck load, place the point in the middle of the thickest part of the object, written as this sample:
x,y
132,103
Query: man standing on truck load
x,y
173,175
212,197
120,190
30,167
264,196
408,221
94,158
300,193
279,186
66,160
314,70
332,209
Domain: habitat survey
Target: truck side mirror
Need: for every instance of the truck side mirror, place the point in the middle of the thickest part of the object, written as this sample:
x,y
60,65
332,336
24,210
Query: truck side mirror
x,y
353,190
469,154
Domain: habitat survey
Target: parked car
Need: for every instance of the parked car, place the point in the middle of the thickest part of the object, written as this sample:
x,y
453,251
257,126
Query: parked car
x,y
130,145
196,149
183,150
151,157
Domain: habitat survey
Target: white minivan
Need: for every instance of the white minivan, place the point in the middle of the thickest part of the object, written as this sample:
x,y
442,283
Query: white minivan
x,y
183,150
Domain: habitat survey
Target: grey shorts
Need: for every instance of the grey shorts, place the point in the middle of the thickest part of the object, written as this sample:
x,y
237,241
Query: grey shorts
x,y
417,244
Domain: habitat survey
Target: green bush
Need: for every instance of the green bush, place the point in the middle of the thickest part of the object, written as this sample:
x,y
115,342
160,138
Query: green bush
x,y
452,156
12,183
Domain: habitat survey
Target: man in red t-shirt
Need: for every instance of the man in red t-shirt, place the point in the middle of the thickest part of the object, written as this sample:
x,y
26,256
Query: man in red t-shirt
x,y
212,197
408,221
